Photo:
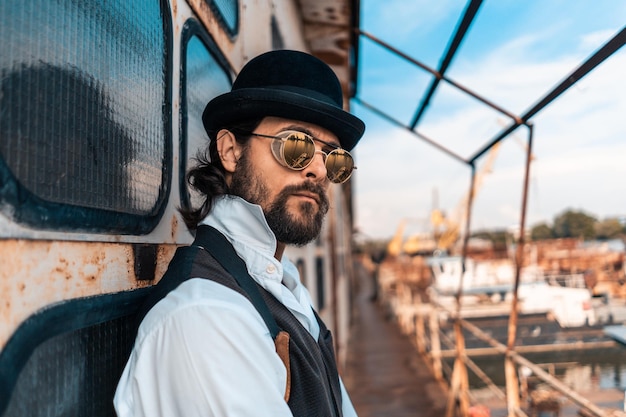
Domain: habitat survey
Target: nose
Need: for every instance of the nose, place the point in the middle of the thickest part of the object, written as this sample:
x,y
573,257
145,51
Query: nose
x,y
317,169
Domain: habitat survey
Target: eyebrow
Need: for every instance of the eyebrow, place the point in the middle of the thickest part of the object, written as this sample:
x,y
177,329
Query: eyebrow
x,y
308,132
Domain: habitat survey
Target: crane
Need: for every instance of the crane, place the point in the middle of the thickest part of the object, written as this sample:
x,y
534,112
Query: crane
x,y
412,245
394,247
452,224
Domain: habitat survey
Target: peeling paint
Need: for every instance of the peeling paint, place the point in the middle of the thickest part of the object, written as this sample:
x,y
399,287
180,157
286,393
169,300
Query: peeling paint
x,y
35,274
202,9
174,227
41,267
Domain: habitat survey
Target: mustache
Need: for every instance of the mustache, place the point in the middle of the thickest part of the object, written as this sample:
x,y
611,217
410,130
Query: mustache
x,y
317,189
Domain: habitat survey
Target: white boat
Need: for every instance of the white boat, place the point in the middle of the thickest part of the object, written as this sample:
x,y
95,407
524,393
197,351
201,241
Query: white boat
x,y
487,288
478,277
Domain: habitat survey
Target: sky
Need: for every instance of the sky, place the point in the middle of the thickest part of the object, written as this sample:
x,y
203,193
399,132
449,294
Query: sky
x,y
513,55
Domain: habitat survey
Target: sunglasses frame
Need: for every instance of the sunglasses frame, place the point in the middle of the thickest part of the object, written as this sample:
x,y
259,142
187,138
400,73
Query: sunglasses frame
x,y
278,152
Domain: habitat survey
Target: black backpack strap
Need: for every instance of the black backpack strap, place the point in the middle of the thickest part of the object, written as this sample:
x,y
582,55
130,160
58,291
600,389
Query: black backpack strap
x,y
212,241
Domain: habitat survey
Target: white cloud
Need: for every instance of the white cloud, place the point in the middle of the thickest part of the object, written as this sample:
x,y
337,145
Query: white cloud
x,y
406,17
579,139
592,40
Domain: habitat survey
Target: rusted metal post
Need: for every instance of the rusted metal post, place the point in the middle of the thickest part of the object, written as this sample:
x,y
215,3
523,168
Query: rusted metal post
x,y
435,343
459,384
454,391
512,387
420,332
463,395
510,369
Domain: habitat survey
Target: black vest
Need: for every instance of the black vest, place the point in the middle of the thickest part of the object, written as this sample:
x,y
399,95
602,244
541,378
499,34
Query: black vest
x,y
314,387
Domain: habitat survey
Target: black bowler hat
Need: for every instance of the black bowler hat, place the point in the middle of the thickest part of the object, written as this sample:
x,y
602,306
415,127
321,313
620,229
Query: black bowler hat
x,y
288,84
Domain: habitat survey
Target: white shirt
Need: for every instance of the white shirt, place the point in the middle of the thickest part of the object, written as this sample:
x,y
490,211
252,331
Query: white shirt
x,y
204,350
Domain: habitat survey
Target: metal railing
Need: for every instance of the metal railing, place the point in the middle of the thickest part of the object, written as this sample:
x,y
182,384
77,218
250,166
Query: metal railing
x,y
420,320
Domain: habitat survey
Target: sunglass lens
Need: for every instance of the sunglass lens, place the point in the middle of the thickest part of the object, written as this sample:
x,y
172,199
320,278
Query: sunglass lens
x,y
339,166
298,151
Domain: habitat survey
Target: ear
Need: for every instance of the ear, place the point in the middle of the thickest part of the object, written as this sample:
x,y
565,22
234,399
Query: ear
x,y
228,149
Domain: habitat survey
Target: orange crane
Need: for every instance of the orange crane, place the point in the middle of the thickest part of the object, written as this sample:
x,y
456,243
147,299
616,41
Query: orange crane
x,y
394,247
454,225
414,244
451,226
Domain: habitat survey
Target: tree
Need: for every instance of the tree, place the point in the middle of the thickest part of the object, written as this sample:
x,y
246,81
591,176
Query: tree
x,y
541,231
574,224
609,229
499,239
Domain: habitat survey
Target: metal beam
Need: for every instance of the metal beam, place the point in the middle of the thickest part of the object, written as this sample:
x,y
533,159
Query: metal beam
x,y
400,124
453,46
585,68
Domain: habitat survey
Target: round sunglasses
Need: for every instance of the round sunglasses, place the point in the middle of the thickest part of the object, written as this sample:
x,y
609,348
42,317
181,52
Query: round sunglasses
x,y
296,150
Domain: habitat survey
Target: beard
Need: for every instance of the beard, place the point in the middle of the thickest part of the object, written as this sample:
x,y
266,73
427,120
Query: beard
x,y
289,228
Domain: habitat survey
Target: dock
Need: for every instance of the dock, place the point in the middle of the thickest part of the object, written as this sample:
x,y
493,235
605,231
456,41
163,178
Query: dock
x,y
384,374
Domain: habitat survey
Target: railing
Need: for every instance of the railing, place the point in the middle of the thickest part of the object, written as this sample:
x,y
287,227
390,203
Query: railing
x,y
420,321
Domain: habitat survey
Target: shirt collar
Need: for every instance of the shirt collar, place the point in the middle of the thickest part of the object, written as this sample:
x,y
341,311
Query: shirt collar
x,y
241,221
245,227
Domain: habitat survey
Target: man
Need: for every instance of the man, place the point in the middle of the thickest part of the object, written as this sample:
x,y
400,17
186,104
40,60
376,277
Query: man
x,y
230,329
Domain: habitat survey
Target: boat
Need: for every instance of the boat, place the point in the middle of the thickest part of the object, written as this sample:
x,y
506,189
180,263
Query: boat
x,y
487,290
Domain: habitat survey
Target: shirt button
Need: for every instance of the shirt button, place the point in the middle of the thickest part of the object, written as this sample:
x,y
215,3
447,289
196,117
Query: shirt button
x,y
270,269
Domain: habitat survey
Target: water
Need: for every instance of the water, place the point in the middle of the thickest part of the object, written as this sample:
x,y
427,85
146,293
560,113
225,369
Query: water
x,y
583,370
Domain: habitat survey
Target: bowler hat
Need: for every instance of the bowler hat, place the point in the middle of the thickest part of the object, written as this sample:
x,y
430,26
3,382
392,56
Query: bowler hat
x,y
288,84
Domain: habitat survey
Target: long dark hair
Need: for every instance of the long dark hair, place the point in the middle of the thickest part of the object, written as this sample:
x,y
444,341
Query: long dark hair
x,y
208,177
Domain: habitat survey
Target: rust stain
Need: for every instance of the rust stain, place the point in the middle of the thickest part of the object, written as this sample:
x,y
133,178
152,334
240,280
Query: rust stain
x,y
164,256
174,4
174,227
202,9
38,273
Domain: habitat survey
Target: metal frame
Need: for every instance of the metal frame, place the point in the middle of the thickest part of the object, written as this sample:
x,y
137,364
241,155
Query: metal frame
x,y
610,47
